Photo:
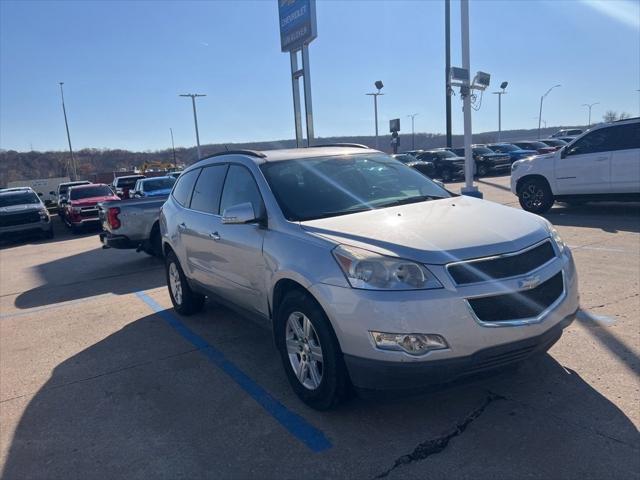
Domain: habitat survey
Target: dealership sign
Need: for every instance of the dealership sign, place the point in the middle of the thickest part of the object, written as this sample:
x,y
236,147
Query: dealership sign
x,y
297,23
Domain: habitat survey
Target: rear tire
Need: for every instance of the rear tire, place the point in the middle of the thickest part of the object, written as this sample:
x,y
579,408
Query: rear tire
x,y
535,196
482,170
185,301
325,381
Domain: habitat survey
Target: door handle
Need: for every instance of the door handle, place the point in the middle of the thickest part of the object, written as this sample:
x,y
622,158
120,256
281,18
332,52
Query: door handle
x,y
214,236
182,226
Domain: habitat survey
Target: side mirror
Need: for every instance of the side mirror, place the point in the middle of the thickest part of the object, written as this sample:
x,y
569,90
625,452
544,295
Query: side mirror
x,y
239,214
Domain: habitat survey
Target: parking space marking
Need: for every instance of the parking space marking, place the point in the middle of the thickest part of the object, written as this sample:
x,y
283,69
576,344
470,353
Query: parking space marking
x,y
313,438
55,305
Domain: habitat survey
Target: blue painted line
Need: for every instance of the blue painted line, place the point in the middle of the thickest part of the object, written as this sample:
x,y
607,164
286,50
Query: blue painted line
x,y
313,438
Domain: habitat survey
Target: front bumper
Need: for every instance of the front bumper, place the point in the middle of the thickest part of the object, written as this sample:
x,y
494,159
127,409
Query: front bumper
x,y
41,226
354,313
369,374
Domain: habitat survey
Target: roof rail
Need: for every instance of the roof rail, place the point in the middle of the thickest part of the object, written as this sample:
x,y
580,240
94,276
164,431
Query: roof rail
x,y
353,145
251,153
625,119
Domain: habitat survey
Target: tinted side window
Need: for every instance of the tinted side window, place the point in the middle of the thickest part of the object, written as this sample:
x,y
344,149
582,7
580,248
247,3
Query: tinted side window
x,y
602,140
206,194
240,187
627,136
183,187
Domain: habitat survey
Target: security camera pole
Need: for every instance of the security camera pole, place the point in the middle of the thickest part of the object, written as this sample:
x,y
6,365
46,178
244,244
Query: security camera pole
x,y
590,106
375,95
173,148
469,188
72,164
503,85
542,100
195,116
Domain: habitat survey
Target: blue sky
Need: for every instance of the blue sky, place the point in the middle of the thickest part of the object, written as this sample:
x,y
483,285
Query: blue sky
x,y
123,64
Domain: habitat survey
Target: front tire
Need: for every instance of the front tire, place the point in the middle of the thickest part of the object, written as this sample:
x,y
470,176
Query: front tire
x,y
482,170
310,352
535,196
185,301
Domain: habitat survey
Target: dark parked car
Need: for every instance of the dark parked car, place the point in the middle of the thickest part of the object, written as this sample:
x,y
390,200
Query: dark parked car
x,y
535,145
424,167
486,159
447,164
516,153
554,142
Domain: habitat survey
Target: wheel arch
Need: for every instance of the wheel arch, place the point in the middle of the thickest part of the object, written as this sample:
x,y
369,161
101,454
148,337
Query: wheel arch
x,y
532,176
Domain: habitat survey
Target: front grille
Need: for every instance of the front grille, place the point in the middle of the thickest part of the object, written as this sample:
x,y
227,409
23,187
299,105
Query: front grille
x,y
518,305
91,212
492,268
22,218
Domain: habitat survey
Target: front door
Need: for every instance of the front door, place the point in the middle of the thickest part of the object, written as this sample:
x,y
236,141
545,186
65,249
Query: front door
x,y
585,166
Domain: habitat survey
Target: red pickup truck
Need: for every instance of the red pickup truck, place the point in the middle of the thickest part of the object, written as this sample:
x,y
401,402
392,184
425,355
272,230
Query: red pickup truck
x,y
82,205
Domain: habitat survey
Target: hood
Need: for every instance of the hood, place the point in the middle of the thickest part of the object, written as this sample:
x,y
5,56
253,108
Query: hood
x,y
435,232
525,152
21,208
91,201
452,159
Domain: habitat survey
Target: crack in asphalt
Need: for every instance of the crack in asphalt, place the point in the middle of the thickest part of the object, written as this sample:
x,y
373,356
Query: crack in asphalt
x,y
437,445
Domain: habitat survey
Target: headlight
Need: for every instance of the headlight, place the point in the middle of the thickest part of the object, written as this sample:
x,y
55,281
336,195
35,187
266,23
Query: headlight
x,y
412,343
555,236
514,166
44,215
371,271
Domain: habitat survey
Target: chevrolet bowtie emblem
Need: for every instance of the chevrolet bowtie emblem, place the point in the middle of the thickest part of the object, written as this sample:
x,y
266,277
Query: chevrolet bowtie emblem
x,y
529,282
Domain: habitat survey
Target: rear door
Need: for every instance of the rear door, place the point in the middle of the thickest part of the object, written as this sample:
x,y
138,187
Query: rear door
x,y
585,166
238,256
625,159
202,226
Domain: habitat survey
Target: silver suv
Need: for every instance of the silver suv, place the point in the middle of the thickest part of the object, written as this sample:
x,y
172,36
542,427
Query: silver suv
x,y
22,212
370,274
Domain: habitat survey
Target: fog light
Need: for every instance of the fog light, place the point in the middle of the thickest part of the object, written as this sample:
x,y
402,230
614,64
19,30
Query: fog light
x,y
412,343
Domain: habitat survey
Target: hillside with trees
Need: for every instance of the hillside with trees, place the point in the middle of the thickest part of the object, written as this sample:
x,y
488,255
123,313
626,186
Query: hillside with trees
x,y
31,165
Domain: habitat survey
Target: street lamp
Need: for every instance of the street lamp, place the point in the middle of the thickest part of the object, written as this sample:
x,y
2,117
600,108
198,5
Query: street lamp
x,y
589,106
541,100
413,131
195,116
378,84
503,85
72,163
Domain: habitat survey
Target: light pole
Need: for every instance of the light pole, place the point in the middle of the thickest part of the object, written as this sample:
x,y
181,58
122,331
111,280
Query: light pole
x,y
72,164
195,116
413,131
173,148
378,84
503,85
540,114
589,106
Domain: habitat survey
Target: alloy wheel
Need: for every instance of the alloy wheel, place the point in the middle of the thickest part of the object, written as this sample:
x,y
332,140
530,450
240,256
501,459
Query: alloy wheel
x,y
304,350
175,283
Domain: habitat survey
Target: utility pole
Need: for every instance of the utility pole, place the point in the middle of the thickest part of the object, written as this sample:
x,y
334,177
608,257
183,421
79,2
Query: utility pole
x,y
447,43
502,86
72,164
195,116
540,114
413,131
173,147
378,84
590,106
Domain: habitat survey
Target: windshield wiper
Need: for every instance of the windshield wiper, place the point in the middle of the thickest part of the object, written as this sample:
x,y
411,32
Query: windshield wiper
x,y
333,214
408,200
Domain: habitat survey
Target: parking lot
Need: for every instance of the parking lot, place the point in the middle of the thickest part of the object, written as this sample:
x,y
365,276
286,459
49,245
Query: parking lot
x,y
99,377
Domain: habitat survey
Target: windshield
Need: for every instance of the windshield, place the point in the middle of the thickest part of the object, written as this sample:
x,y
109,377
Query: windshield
x,y
445,154
158,184
504,148
78,193
63,189
18,198
331,186
533,145
404,158
127,182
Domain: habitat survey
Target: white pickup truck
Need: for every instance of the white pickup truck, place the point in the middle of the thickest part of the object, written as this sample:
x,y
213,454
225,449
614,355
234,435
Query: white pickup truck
x,y
133,223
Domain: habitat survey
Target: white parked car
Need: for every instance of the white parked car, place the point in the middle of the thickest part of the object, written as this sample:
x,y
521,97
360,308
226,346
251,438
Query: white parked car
x,y
601,164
